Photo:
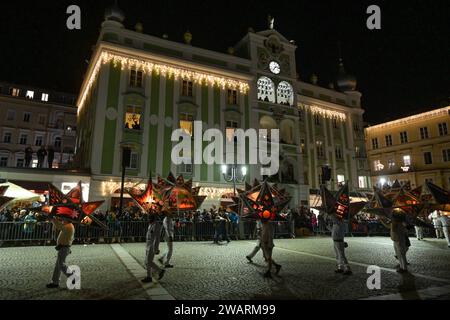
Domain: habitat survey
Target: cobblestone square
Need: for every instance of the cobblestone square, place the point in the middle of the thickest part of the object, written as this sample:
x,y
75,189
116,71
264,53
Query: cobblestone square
x,y
204,271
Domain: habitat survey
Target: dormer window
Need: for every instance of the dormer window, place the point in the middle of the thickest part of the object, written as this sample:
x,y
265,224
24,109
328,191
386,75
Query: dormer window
x,y
14,92
44,97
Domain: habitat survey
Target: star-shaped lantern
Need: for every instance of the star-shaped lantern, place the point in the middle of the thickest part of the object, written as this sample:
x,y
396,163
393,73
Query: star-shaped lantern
x,y
169,196
340,205
263,202
71,206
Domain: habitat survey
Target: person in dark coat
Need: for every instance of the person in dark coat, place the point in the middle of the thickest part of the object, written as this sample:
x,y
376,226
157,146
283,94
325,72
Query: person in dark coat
x,y
41,154
28,156
50,156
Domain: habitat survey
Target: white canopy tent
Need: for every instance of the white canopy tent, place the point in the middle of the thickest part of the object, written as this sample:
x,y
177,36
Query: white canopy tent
x,y
19,193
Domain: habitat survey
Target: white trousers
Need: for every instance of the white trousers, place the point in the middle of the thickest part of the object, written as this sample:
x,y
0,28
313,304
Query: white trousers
x,y
341,259
400,251
167,255
419,232
153,236
446,234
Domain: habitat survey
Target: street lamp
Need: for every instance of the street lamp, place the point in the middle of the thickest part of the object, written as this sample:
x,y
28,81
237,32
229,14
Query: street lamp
x,y
234,176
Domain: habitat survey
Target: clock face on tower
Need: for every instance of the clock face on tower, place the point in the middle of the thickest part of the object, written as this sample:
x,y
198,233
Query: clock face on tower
x,y
275,67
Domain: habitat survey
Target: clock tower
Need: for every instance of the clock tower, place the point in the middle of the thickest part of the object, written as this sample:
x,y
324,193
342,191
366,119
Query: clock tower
x,y
274,102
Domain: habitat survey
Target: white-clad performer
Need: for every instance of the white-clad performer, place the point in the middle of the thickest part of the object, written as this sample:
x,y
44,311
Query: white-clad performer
x,y
338,234
153,235
445,226
169,234
435,217
258,243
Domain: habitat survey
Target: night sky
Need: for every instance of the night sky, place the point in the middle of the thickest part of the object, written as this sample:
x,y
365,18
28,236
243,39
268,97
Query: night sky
x,y
402,69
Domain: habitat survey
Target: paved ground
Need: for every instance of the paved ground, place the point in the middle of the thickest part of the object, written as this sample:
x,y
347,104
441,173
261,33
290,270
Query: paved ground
x,y
206,271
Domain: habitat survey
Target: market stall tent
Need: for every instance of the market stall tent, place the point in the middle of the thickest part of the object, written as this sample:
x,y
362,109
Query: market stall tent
x,y
19,193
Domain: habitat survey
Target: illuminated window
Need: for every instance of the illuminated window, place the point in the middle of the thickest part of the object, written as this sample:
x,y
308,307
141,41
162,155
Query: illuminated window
x,y
357,152
391,163
377,165
446,155
23,139
285,94
187,88
136,78
340,179
133,118
231,128
443,129
362,182
232,97
266,90
44,97
427,158
388,139
30,94
375,143
406,160
187,123
26,117
320,150
14,92
404,137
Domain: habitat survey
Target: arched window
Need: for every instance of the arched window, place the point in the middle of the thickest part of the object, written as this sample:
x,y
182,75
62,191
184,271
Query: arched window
x,y
266,90
287,131
285,94
268,123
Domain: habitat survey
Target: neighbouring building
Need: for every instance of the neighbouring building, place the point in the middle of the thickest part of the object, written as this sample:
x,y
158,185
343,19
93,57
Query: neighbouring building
x,y
36,117
411,150
140,88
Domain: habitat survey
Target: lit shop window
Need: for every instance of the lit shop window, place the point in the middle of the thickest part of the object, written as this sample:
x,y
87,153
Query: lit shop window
x,y
44,97
340,179
133,118
187,123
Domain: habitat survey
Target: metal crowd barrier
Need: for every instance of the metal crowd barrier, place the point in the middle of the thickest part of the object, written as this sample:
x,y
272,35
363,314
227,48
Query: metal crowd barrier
x,y
26,232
